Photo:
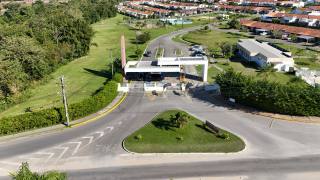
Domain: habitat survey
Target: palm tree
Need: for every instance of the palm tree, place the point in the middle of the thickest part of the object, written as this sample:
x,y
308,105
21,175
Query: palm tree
x,y
182,120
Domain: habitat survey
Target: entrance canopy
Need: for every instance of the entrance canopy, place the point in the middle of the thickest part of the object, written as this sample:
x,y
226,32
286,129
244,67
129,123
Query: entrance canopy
x,y
166,64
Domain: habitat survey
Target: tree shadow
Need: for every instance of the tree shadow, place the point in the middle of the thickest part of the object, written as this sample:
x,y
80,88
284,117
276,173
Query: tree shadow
x,y
133,56
101,73
134,41
205,128
163,124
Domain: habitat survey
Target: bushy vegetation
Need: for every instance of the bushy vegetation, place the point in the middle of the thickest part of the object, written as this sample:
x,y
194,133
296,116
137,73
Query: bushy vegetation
x,y
35,40
24,173
288,98
52,116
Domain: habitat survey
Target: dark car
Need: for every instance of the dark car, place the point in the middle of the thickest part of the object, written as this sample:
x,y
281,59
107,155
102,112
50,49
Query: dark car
x,y
147,54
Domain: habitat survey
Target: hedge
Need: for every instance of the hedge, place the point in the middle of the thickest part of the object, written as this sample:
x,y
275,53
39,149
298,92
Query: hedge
x,y
289,99
55,115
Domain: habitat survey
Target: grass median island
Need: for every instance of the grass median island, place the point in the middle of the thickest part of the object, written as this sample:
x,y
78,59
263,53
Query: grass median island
x,y
162,135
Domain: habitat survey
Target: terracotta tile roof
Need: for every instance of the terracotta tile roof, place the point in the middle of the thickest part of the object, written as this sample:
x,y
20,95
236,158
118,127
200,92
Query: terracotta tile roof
x,y
316,8
280,27
183,4
261,1
127,9
244,8
156,9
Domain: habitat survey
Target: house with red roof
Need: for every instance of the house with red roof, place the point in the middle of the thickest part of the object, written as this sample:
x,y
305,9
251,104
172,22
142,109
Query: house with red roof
x,y
303,33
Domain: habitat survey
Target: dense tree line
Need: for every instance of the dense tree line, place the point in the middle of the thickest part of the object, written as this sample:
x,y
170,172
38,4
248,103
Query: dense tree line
x,y
36,39
290,99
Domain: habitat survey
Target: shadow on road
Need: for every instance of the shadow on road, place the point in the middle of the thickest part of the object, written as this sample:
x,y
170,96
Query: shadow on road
x,y
217,100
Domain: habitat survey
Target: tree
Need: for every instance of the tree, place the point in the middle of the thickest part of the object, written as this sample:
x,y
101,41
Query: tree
x,y
293,37
182,120
234,23
143,37
36,39
227,49
277,34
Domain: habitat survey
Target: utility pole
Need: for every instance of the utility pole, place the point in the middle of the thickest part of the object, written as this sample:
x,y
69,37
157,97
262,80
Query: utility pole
x,y
64,99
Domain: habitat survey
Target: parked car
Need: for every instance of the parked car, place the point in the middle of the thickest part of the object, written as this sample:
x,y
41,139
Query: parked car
x,y
196,48
147,54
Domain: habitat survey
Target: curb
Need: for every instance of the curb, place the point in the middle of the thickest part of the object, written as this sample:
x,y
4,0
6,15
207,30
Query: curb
x,y
61,127
244,150
306,119
102,114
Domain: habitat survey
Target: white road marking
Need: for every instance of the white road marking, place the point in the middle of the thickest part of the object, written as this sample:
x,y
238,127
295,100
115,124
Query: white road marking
x,y
65,149
46,153
77,147
100,132
88,137
109,128
120,122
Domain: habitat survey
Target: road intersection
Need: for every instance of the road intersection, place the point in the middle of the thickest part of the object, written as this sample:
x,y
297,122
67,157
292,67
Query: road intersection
x,y
281,149
274,149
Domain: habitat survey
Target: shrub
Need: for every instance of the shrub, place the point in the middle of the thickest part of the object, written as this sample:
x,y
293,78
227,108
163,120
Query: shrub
x,y
180,138
117,77
138,137
53,116
143,37
225,136
24,173
270,96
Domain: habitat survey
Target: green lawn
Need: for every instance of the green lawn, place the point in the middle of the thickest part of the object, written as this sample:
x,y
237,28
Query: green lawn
x,y
212,38
303,57
85,75
159,136
212,72
279,77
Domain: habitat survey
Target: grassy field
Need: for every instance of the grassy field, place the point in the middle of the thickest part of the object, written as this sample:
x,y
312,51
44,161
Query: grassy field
x,y
212,72
303,57
212,38
85,75
159,136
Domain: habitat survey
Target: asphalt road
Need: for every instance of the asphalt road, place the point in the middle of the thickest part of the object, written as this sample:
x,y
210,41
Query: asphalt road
x,y
275,146
255,169
171,48
274,149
